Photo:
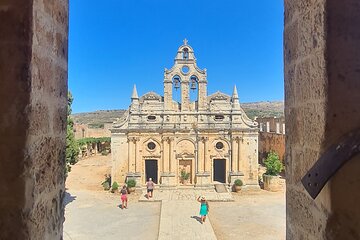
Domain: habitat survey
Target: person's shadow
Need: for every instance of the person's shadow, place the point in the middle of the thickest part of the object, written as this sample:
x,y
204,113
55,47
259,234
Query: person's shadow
x,y
68,198
197,218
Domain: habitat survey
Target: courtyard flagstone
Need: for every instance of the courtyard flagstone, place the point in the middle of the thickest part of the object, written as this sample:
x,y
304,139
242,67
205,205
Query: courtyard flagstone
x,y
180,221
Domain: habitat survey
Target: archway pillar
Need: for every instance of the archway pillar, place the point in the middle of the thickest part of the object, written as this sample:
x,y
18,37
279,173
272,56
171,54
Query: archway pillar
x,y
321,56
33,104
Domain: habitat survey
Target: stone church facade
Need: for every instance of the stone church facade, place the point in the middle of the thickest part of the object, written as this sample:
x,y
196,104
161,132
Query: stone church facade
x,y
196,143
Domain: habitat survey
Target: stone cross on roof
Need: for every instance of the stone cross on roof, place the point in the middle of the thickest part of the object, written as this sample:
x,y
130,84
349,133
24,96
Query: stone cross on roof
x,y
185,41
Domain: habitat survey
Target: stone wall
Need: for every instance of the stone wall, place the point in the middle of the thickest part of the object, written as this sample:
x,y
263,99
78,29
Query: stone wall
x,y
86,131
321,55
33,92
271,142
271,124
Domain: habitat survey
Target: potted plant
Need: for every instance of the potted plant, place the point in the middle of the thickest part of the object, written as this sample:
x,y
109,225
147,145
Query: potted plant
x,y
273,168
114,187
237,185
131,183
184,176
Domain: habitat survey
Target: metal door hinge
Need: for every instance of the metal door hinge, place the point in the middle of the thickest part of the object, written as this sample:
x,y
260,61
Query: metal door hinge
x,y
330,162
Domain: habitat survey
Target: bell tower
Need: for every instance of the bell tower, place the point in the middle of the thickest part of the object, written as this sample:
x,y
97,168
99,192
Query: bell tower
x,y
185,75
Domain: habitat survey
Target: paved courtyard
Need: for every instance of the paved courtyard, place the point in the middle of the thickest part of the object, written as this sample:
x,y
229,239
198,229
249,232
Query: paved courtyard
x,y
91,213
94,216
252,216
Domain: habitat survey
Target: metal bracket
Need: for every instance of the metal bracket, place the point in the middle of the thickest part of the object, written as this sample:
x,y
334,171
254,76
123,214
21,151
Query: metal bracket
x,y
330,162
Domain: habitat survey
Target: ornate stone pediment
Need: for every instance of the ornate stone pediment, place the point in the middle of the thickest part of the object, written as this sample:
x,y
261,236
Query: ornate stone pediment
x,y
151,96
185,155
219,96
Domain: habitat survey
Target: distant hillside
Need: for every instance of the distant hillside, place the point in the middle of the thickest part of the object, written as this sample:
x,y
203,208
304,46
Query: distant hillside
x,y
259,109
97,117
264,109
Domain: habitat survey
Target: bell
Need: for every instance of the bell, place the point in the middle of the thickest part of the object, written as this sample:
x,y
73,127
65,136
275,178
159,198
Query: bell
x,y
176,83
193,85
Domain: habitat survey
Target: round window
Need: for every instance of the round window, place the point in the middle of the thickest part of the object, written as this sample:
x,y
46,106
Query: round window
x,y
219,145
151,145
185,69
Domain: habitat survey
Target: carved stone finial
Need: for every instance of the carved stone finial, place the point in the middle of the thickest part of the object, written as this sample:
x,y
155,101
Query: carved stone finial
x,y
235,93
185,41
134,94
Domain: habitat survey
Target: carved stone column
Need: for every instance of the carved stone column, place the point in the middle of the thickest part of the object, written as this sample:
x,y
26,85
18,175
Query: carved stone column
x,y
236,173
234,154
167,177
132,158
203,177
199,164
165,154
162,151
205,140
239,141
137,158
129,140
171,155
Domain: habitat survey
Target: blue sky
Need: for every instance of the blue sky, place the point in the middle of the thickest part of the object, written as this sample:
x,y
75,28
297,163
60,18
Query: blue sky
x,y
114,44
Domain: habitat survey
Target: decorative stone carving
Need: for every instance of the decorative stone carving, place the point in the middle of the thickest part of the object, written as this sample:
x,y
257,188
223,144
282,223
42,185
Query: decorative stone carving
x,y
219,96
151,96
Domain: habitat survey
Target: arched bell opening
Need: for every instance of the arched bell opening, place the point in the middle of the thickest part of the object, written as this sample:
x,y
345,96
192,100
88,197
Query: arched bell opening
x,y
194,89
176,80
185,53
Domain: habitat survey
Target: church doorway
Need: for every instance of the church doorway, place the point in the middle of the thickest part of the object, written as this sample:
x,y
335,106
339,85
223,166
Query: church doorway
x,y
151,170
219,170
185,172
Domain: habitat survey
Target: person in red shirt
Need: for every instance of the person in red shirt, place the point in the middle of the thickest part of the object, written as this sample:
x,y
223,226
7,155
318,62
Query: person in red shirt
x,y
124,199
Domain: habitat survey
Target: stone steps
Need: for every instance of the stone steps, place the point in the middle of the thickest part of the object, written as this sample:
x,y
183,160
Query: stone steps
x,y
221,188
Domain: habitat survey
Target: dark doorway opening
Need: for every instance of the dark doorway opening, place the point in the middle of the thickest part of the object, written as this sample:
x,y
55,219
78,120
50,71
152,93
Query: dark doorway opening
x,y
151,170
219,167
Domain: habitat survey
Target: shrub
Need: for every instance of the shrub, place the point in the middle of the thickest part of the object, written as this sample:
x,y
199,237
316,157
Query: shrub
x,y
273,164
184,175
238,182
107,182
131,183
106,186
104,153
114,187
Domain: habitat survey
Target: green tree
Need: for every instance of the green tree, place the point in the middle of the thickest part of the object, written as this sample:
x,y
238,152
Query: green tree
x,y
273,164
72,147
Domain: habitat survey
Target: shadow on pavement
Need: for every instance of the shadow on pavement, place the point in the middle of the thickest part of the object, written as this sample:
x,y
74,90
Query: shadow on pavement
x,y
197,218
68,198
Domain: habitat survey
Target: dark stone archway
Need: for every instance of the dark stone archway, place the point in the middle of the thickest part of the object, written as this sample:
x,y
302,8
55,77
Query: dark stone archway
x,y
33,106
